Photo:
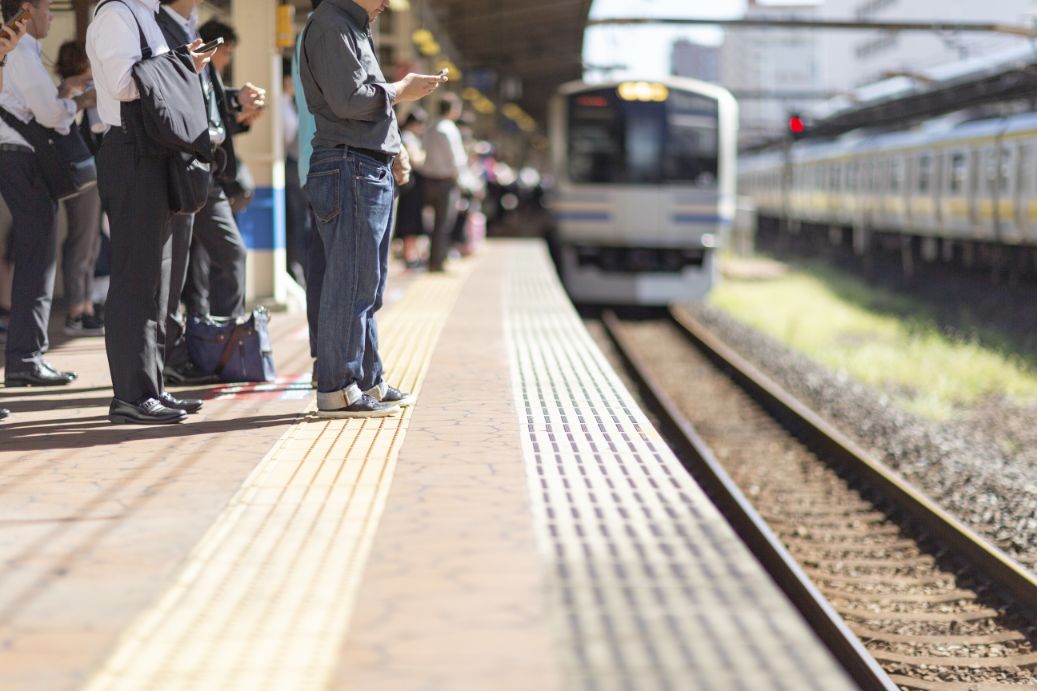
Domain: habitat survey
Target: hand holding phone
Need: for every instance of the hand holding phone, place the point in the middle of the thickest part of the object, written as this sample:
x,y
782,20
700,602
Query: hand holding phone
x,y
21,16
443,73
210,46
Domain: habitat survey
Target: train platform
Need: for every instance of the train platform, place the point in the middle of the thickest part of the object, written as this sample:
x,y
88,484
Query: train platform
x,y
522,527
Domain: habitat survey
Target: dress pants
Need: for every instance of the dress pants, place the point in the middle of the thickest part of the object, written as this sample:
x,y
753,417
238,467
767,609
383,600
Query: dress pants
x,y
216,274
442,195
176,321
134,193
81,247
34,235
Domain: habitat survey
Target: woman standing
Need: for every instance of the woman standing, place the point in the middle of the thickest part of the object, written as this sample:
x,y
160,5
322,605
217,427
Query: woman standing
x,y
409,223
83,242
9,38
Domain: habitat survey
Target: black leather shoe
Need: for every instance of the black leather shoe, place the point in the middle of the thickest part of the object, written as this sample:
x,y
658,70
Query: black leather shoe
x,y
188,405
4,412
41,375
187,375
148,411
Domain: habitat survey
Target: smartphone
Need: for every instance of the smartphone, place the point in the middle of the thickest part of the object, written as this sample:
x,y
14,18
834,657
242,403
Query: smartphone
x,y
23,14
210,46
443,72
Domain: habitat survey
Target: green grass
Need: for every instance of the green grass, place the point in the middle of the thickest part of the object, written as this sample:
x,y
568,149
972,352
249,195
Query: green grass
x,y
880,339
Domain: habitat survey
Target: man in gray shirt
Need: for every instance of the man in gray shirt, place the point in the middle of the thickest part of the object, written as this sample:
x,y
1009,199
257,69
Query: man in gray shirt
x,y
350,190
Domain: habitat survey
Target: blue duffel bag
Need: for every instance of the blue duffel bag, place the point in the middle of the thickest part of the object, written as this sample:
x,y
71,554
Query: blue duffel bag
x,y
233,349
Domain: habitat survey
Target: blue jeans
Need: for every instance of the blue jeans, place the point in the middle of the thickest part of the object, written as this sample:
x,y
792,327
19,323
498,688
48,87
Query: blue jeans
x,y
352,199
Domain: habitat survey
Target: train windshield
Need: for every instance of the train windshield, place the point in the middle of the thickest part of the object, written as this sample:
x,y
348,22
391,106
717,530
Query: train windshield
x,y
617,141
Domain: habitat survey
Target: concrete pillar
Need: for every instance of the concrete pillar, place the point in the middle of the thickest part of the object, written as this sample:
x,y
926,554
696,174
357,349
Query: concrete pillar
x,y
258,60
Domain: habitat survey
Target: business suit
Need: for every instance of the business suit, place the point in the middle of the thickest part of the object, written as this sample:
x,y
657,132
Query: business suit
x,y
219,287
133,181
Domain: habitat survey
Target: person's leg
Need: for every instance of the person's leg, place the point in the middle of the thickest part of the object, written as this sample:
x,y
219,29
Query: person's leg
x,y
373,369
295,222
314,281
443,198
217,232
180,251
195,295
134,194
34,232
79,251
352,200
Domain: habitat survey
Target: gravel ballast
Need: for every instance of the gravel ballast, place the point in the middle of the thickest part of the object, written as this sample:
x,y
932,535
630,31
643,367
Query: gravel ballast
x,y
981,466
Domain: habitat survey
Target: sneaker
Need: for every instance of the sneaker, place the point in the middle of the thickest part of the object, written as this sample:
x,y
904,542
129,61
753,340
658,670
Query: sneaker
x,y
383,393
365,406
83,325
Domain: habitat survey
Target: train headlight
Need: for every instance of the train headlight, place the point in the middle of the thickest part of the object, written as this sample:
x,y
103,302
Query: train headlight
x,y
643,91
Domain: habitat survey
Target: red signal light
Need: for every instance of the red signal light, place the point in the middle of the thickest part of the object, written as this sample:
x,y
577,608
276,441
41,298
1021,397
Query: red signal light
x,y
796,125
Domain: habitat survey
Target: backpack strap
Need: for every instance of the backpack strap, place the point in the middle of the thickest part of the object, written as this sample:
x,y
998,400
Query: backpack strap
x,y
145,49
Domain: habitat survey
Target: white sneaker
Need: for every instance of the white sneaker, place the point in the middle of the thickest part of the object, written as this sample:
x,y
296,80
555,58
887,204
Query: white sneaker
x,y
390,394
365,406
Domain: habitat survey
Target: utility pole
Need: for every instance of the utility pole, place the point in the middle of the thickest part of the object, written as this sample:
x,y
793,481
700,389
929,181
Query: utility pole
x,y
82,10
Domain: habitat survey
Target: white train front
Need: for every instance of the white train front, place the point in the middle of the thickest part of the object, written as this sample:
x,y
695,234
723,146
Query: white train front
x,y
645,188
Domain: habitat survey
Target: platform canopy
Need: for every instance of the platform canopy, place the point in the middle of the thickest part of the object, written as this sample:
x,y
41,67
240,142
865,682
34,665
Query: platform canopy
x,y
526,49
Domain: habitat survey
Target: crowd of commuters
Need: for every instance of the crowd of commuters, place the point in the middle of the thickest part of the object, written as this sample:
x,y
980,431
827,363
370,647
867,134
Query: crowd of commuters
x,y
348,156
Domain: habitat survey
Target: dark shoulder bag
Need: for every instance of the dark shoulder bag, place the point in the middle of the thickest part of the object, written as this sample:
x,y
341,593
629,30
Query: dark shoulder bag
x,y
233,349
65,161
174,118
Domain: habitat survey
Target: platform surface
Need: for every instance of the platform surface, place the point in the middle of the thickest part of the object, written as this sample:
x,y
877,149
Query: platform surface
x,y
522,527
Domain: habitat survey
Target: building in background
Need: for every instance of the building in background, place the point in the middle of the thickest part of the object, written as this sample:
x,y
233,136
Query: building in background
x,y
695,60
772,71
856,58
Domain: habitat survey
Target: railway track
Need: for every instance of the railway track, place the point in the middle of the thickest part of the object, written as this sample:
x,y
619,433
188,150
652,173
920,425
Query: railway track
x,y
904,595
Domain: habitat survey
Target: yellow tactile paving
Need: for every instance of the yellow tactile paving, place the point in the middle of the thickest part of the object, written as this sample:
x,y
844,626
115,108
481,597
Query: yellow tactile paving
x,y
265,598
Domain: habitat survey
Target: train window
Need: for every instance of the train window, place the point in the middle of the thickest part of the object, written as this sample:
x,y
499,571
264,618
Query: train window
x,y
958,172
1024,165
925,164
692,146
896,175
1004,170
990,170
635,142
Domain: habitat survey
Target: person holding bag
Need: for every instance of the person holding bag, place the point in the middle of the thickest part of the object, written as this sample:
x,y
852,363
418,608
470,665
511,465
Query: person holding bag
x,y
138,169
29,101
9,37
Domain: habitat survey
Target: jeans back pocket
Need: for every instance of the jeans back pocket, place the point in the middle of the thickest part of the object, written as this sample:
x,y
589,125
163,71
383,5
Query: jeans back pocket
x,y
324,192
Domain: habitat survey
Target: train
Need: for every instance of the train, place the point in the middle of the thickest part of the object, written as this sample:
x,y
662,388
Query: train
x,y
953,189
645,174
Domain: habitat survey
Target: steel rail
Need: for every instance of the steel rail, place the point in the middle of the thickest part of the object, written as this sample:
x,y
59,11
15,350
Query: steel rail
x,y
969,546
751,527
839,25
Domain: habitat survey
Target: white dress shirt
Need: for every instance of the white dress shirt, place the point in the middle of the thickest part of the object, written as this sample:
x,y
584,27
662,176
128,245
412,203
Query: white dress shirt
x,y
29,92
445,157
113,45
